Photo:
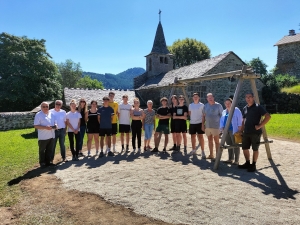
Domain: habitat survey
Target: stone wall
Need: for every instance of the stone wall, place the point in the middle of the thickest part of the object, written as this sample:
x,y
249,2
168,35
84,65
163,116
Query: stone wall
x,y
158,63
288,59
16,120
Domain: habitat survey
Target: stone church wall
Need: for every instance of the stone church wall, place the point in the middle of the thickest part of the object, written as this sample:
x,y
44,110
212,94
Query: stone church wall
x,y
288,59
16,120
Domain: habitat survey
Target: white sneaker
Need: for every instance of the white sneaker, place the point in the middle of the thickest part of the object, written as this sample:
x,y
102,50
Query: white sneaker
x,y
133,150
193,152
106,151
97,151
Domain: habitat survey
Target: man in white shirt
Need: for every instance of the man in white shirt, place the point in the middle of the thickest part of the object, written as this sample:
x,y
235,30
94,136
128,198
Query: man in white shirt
x,y
124,121
44,122
60,132
195,113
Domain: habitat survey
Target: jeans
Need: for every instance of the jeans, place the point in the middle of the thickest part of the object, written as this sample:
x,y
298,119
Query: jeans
x,y
233,153
71,136
60,135
82,133
45,150
148,131
136,130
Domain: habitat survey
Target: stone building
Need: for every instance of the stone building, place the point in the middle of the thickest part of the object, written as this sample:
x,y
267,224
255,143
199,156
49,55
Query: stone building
x,y
155,82
288,56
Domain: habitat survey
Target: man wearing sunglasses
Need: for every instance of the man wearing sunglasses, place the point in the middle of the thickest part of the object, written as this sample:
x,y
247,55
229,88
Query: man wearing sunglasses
x,y
60,133
44,122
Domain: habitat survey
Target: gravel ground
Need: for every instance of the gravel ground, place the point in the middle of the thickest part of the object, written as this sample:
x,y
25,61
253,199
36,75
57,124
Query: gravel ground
x,y
183,189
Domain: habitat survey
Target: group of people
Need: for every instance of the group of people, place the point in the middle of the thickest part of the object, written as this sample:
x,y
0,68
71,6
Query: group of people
x,y
107,120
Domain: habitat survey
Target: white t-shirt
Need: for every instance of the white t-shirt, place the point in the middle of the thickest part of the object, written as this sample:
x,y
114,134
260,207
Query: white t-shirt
x,y
196,112
43,119
60,117
74,118
124,111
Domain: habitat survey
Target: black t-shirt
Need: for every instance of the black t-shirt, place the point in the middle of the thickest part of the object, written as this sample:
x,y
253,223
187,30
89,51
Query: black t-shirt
x,y
82,119
180,110
163,112
253,115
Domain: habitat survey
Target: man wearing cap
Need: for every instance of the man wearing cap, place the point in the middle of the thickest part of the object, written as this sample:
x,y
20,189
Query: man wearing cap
x,y
60,132
105,116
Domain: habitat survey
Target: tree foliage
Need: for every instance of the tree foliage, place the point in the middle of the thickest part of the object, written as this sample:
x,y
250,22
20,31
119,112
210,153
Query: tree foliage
x,y
258,66
27,74
188,51
87,82
70,73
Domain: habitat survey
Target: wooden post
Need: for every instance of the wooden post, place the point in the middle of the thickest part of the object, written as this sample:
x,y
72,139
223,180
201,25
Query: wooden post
x,y
228,122
264,132
186,96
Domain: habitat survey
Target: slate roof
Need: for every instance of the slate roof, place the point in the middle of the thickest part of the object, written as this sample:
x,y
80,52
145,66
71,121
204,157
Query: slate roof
x,y
288,39
97,95
195,70
159,45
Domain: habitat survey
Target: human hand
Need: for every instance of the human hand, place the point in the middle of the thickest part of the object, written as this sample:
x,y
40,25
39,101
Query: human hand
x,y
257,127
48,127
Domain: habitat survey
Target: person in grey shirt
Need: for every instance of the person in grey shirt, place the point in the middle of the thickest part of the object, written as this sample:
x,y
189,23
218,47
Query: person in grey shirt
x,y
212,113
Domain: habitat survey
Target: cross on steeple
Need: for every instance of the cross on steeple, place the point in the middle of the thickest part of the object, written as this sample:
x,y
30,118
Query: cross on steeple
x,y
159,14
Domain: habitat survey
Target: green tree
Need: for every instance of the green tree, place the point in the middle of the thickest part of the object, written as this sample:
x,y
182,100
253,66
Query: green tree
x,y
70,73
188,51
258,66
27,74
88,82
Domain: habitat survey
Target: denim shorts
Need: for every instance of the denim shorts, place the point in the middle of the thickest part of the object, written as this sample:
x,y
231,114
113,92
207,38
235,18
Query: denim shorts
x,y
148,131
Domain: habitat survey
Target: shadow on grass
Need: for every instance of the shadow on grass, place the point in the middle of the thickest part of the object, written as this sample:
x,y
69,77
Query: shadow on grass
x,y
32,135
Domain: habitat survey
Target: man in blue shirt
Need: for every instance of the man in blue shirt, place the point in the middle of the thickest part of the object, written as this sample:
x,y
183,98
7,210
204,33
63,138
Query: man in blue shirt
x,y
105,116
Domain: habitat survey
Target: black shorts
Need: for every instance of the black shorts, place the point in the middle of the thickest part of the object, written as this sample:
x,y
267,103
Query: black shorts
x,y
103,132
124,128
92,129
180,126
196,129
114,128
251,140
172,126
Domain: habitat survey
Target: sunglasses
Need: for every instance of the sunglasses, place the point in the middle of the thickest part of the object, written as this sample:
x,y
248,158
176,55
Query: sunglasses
x,y
57,104
181,99
45,107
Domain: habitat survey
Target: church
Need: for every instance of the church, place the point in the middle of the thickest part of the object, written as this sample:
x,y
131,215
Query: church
x,y
157,81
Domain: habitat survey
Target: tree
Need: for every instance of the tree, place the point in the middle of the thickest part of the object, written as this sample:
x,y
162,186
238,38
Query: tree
x,y
88,82
258,66
188,51
70,73
27,74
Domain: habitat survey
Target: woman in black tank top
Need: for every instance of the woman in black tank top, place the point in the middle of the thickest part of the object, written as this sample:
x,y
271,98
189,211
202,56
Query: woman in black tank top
x,y
92,129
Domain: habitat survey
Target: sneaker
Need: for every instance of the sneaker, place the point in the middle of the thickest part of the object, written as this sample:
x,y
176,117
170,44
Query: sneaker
x,y
177,149
101,155
106,151
73,158
122,150
203,156
149,147
65,160
193,152
164,151
114,151
80,154
252,168
110,153
246,165
97,151
76,158
236,163
139,150
127,150
155,150
133,150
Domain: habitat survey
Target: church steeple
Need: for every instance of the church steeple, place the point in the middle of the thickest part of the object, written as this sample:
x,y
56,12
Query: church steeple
x,y
159,45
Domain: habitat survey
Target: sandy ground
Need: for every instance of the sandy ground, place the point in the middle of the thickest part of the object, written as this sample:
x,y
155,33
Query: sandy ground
x,y
183,189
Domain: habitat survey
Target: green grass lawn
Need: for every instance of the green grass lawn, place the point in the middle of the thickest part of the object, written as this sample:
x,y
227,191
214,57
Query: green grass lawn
x,y
294,89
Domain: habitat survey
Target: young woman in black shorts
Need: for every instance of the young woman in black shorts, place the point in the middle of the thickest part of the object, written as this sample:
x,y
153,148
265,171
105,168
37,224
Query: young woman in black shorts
x,y
92,129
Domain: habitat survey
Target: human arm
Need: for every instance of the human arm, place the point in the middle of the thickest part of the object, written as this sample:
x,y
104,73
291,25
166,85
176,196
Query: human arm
x,y
86,116
265,120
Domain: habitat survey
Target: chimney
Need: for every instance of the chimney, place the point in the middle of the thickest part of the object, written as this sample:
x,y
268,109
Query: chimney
x,y
291,32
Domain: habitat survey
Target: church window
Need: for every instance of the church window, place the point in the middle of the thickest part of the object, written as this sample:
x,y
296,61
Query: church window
x,y
161,59
150,64
166,60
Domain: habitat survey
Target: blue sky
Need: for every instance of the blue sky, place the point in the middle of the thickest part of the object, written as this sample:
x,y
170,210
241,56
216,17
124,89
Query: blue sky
x,y
111,36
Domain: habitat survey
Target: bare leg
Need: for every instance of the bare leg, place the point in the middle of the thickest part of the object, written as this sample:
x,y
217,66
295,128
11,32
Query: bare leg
x,y
166,140
157,137
247,154
96,139
127,138
210,145
178,139
114,139
174,138
193,140
89,141
217,143
201,141
184,139
102,142
255,156
122,138
108,139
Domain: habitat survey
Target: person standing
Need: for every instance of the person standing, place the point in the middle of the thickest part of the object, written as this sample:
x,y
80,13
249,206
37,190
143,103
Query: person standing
x,y
174,103
252,124
73,123
82,109
60,132
124,111
137,115
212,113
163,114
180,116
148,124
235,127
44,122
92,128
105,116
114,105
195,129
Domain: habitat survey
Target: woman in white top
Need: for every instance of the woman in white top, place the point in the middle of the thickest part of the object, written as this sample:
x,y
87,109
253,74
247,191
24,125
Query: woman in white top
x,y
73,123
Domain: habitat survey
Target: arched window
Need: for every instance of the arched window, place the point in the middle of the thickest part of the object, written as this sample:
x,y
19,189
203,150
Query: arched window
x,y
150,64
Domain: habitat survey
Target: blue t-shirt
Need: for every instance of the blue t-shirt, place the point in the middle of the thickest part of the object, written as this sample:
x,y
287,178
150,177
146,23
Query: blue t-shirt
x,y
105,117
225,120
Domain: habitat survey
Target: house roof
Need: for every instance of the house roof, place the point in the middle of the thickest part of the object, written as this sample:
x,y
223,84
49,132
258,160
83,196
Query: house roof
x,y
159,45
195,70
288,39
97,95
